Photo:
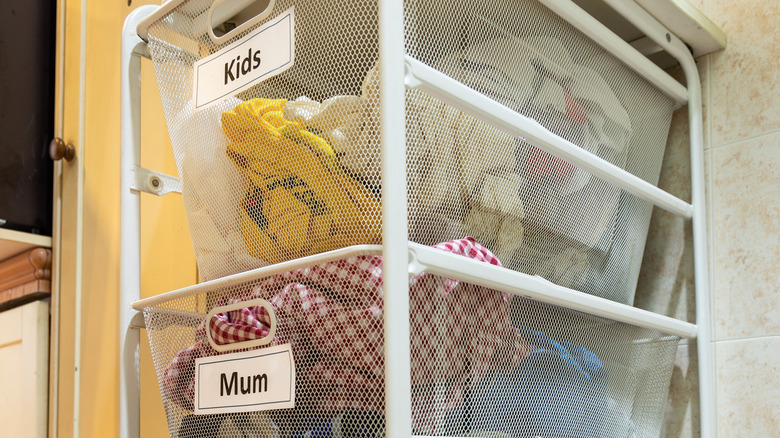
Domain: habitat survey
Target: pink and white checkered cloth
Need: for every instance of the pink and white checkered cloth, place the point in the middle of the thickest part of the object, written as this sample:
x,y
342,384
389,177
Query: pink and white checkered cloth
x,y
332,316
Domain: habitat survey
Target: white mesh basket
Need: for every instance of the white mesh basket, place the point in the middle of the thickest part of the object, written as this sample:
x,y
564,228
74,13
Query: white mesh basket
x,y
290,166
483,363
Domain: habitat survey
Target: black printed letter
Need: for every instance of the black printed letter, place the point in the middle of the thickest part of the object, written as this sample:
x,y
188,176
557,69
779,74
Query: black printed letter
x,y
258,383
246,64
225,386
246,389
229,72
257,60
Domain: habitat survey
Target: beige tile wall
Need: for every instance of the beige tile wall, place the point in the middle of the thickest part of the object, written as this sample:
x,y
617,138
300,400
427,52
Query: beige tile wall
x,y
741,88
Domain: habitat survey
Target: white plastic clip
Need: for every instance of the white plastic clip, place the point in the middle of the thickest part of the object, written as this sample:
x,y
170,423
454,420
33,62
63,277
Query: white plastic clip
x,y
137,321
142,50
156,183
411,80
415,267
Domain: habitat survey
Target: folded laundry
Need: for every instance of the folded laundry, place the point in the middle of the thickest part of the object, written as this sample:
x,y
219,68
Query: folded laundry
x,y
452,156
493,220
332,316
299,201
336,119
351,125
559,390
211,190
538,77
564,262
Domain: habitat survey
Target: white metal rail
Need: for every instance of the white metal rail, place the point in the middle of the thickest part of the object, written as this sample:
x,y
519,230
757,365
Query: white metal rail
x,y
437,84
398,392
431,260
601,35
420,258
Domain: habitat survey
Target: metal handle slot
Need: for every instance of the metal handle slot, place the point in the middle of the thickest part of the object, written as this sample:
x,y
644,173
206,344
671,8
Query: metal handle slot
x,y
230,17
243,344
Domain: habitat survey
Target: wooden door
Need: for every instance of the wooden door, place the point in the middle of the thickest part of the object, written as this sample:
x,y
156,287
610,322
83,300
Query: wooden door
x,y
84,366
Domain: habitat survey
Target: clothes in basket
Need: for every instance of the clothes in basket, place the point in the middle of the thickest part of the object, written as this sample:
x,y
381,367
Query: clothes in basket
x,y
332,316
559,390
245,425
211,191
351,423
567,98
299,200
466,177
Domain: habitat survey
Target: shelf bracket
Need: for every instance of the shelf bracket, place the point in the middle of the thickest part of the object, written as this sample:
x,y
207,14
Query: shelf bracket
x,y
137,321
153,182
142,49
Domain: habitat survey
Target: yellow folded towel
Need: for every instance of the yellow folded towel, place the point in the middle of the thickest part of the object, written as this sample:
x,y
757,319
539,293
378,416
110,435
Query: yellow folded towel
x,y
300,201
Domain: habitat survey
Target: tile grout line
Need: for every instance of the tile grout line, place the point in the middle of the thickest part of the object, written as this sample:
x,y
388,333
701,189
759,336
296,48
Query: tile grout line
x,y
747,338
746,139
708,124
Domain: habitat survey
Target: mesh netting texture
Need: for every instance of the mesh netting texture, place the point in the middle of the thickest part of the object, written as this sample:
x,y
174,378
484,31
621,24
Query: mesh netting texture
x,y
291,167
483,363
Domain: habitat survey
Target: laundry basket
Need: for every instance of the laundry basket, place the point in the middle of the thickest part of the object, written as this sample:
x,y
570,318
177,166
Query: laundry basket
x,y
483,363
275,130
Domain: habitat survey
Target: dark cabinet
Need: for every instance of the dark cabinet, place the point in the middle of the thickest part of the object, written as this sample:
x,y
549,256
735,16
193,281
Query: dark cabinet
x,y
27,42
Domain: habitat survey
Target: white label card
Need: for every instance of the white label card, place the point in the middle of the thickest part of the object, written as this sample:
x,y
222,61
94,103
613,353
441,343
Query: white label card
x,y
264,53
257,380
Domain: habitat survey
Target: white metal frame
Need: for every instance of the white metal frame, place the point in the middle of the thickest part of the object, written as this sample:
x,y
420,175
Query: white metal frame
x,y
402,257
422,259
705,350
130,226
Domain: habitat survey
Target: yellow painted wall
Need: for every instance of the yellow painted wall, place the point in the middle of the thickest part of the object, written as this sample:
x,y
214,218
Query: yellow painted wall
x,y
90,226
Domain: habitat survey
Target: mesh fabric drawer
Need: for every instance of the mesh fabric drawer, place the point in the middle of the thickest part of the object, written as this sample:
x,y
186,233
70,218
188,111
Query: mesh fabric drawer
x,y
483,363
291,166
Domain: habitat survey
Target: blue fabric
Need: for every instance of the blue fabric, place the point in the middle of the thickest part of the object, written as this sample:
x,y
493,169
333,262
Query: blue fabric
x,y
558,391
315,427
351,423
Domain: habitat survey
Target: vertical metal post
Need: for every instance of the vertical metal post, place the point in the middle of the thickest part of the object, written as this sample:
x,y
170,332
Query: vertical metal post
x,y
705,348
130,227
398,411
706,356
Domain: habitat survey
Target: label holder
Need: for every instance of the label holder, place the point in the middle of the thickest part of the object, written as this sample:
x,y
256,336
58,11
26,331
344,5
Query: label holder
x,y
261,54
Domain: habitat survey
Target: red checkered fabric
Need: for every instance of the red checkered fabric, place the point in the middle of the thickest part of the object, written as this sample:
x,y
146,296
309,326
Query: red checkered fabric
x,y
240,325
178,379
333,311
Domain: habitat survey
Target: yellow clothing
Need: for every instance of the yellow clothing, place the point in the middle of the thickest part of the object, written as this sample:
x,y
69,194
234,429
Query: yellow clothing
x,y
300,201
